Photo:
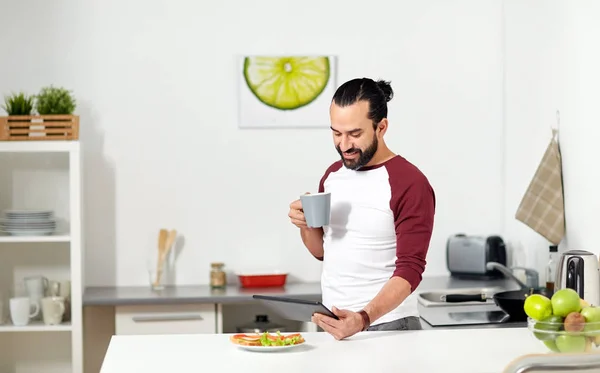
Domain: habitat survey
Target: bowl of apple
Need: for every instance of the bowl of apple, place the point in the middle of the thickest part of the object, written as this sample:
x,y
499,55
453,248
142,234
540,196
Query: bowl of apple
x,y
564,323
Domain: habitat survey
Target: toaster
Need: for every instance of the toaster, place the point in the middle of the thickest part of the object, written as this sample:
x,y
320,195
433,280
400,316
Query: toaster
x,y
467,256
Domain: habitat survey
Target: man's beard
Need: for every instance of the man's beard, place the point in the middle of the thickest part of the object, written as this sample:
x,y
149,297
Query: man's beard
x,y
363,157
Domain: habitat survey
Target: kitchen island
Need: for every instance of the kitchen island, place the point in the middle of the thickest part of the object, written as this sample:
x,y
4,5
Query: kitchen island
x,y
137,310
424,351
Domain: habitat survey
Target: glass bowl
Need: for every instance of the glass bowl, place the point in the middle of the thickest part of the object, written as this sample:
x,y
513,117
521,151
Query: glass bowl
x,y
571,334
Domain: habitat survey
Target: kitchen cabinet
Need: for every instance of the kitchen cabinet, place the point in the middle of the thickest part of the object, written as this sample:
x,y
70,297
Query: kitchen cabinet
x,y
165,319
110,310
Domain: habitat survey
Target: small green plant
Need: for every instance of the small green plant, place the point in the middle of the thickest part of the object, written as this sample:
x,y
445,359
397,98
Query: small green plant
x,y
55,101
18,104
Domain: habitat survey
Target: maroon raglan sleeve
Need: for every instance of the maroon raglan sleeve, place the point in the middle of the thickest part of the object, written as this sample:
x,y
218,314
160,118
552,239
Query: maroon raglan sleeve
x,y
413,205
333,168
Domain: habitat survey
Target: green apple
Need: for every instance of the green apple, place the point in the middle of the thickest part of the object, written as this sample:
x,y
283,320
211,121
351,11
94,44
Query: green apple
x,y
591,314
571,343
551,344
547,328
565,301
592,318
537,306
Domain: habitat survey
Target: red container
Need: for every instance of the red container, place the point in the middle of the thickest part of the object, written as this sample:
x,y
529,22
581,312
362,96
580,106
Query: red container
x,y
262,280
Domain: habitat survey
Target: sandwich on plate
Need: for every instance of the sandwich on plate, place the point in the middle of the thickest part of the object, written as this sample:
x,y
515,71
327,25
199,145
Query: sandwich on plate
x,y
267,339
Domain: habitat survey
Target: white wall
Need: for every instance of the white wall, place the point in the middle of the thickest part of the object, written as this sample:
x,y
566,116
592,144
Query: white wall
x,y
580,125
535,73
552,64
141,68
156,86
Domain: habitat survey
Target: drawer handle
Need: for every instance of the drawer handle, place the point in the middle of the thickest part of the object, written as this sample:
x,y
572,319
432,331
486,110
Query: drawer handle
x,y
169,317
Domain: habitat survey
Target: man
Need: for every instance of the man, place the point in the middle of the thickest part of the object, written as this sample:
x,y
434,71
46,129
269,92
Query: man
x,y
382,213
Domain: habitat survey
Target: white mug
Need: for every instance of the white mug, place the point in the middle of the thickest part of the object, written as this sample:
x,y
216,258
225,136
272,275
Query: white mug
x,y
21,310
53,309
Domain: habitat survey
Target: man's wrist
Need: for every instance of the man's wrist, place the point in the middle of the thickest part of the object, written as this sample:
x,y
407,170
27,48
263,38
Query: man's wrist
x,y
366,319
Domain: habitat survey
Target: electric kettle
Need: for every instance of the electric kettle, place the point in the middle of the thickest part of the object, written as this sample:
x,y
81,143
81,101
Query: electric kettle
x,y
579,270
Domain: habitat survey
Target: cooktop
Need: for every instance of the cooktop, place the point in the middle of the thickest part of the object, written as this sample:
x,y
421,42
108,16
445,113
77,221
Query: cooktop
x,y
450,318
456,315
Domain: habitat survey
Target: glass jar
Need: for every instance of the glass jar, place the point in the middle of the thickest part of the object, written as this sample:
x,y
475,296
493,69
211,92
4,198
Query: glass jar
x,y
218,279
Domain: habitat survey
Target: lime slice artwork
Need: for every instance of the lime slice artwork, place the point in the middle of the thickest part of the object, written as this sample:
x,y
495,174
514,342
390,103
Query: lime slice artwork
x,y
287,83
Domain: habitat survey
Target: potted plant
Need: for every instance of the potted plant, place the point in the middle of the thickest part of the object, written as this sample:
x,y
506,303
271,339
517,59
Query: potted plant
x,y
18,104
55,101
54,119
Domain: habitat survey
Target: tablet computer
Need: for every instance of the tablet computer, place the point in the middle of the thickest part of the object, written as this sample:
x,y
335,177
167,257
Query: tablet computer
x,y
294,309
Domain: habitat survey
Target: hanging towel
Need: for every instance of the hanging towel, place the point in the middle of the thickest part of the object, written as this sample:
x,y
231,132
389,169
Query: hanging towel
x,y
542,207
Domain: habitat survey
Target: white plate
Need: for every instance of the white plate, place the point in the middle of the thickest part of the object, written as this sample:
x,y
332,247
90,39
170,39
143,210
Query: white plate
x,y
27,229
269,348
29,232
27,226
28,213
28,223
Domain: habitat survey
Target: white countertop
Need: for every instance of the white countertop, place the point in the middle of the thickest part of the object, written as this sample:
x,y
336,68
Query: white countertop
x,y
427,351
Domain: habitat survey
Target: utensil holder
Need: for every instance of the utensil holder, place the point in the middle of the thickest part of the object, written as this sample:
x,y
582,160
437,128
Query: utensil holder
x,y
157,270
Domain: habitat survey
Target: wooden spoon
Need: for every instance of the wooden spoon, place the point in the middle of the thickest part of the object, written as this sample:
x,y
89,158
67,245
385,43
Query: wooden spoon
x,y
166,248
162,240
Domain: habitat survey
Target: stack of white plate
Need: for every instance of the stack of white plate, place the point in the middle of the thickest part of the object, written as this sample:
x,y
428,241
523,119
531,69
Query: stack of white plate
x,y
28,222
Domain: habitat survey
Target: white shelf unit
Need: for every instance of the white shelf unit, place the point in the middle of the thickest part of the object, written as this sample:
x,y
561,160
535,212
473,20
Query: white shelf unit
x,y
37,327
39,347
31,239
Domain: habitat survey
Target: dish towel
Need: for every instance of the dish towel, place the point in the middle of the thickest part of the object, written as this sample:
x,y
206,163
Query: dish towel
x,y
542,206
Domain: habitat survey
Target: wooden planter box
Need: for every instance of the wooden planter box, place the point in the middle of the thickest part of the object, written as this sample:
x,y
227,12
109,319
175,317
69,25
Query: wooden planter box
x,y
39,127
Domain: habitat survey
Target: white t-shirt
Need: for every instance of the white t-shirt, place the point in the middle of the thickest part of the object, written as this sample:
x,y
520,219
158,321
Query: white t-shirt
x,y
381,222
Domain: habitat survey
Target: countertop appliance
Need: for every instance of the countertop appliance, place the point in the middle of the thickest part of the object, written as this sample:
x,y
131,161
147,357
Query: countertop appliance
x,y
467,256
579,270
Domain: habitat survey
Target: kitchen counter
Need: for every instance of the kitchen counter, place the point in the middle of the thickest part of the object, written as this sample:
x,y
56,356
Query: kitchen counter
x,y
133,295
426,351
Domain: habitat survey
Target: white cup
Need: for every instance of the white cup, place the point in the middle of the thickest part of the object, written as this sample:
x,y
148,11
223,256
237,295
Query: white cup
x,y
53,309
21,310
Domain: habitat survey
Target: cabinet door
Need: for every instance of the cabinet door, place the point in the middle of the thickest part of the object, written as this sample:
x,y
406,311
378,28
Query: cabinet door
x,y
165,319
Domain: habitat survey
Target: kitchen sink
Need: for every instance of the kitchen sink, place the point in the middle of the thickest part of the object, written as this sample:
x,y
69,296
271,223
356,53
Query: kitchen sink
x,y
434,298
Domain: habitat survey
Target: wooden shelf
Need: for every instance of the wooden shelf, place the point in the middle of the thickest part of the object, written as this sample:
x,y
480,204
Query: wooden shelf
x,y
32,239
37,326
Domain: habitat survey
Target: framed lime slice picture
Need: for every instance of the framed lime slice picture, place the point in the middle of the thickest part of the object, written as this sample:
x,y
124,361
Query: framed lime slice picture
x,y
286,83
286,91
